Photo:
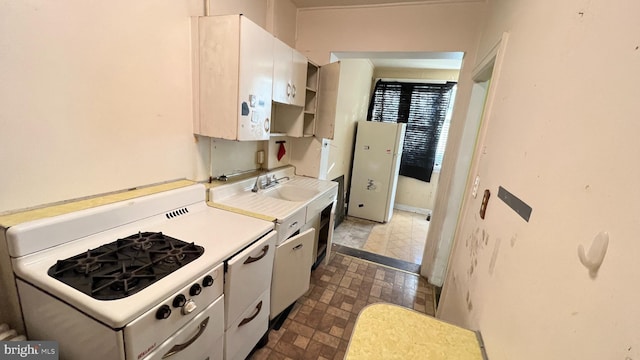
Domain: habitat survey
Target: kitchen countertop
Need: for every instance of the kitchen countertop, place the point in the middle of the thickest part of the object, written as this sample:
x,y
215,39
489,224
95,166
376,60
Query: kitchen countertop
x,y
241,211
46,211
386,331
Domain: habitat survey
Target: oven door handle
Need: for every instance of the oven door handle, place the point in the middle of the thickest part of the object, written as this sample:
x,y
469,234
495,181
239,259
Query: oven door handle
x,y
248,320
179,347
251,259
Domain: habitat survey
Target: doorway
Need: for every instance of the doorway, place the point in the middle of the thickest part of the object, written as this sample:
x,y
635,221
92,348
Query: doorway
x,y
486,76
403,238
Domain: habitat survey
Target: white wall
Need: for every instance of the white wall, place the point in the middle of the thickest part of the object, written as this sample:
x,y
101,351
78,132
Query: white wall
x,y
259,11
281,20
232,157
416,194
94,97
562,137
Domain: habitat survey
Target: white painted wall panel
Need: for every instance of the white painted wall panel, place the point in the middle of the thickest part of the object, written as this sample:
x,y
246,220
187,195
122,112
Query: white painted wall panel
x,y
94,97
563,137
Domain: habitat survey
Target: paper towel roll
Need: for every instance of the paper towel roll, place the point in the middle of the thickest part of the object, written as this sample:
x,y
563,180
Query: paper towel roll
x,y
260,157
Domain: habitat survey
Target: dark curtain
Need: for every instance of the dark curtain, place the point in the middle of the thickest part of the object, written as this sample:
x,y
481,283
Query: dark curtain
x,y
423,107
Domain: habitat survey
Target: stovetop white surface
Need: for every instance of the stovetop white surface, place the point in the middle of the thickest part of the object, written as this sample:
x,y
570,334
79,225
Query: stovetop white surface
x,y
221,233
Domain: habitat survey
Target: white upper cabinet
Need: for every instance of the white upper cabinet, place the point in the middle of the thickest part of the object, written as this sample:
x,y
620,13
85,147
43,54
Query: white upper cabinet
x,y
233,69
289,74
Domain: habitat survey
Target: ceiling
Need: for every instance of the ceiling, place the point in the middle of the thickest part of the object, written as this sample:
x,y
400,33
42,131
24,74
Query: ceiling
x,y
324,3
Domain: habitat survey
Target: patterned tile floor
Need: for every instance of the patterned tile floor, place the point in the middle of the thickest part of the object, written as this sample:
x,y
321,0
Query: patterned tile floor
x,y
322,320
402,238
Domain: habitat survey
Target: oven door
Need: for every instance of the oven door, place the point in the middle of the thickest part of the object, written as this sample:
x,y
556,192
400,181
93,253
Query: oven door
x,y
200,339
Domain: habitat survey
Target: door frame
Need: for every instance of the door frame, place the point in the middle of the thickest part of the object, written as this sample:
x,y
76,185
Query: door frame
x,y
487,69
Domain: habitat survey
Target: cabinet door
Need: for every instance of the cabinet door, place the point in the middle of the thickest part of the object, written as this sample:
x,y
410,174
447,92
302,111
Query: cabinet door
x,y
255,83
248,275
216,59
233,71
281,72
291,271
327,99
298,78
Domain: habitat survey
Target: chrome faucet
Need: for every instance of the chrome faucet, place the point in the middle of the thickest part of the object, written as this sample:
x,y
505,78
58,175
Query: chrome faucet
x,y
257,186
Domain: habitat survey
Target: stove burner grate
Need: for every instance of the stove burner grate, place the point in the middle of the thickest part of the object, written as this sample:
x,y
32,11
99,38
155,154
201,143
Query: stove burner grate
x,y
125,266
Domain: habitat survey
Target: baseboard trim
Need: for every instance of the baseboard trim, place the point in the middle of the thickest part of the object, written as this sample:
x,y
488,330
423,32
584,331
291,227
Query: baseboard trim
x,y
412,209
379,259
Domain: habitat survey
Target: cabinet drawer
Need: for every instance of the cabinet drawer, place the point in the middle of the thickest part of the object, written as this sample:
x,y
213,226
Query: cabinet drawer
x,y
246,331
291,271
290,225
248,275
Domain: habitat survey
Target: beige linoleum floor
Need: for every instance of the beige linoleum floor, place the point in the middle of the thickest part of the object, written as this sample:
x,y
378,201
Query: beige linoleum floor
x,y
402,238
321,323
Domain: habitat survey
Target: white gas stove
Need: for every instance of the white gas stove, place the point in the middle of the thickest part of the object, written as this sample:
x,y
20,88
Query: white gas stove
x,y
141,278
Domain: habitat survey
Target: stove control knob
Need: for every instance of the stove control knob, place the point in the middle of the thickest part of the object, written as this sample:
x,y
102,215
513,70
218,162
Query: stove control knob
x,y
188,307
195,289
179,301
207,281
163,312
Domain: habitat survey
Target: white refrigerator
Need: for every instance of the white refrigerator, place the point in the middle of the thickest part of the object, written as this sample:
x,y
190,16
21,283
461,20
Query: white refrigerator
x,y
376,162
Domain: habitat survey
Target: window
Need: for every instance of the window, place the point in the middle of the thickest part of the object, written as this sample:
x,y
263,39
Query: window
x,y
424,108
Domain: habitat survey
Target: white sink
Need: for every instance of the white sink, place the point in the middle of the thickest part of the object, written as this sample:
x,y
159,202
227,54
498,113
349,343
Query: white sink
x,y
291,193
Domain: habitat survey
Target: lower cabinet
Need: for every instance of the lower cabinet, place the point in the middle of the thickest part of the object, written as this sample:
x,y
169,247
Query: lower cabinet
x,y
291,271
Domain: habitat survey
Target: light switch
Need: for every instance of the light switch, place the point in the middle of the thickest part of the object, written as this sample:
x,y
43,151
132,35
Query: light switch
x,y
476,183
